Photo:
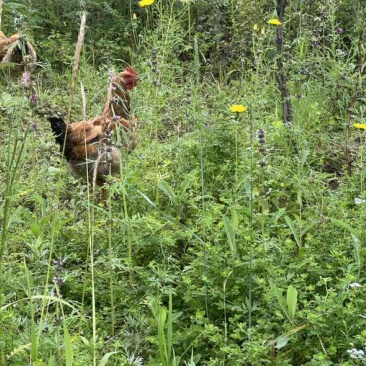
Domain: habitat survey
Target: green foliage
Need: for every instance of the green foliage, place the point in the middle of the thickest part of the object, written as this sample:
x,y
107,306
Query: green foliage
x,y
219,247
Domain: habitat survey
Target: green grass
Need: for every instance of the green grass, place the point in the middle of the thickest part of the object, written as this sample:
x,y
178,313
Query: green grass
x,y
204,256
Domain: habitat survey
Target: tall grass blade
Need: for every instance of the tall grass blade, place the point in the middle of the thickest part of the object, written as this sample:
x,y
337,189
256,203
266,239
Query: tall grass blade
x,y
170,326
33,334
293,230
281,301
69,354
162,313
357,253
283,339
346,226
168,190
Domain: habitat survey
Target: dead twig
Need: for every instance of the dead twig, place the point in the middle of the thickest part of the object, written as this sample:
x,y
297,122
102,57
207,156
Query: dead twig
x,y
79,46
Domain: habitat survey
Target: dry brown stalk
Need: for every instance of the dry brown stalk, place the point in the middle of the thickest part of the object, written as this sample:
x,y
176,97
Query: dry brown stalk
x,y
79,46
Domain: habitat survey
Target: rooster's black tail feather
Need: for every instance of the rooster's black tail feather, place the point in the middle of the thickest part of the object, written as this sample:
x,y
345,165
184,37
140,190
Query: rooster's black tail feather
x,y
58,126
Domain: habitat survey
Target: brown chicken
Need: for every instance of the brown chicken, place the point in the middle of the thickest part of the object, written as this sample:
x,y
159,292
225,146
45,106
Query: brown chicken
x,y
88,146
118,101
17,50
6,42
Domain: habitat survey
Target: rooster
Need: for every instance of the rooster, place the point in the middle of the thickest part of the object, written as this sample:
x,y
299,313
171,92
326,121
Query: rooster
x,y
118,101
5,42
16,49
87,145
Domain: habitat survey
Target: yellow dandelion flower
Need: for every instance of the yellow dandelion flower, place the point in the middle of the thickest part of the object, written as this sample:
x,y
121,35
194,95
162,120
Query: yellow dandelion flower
x,y
360,125
134,16
255,27
143,3
274,22
238,108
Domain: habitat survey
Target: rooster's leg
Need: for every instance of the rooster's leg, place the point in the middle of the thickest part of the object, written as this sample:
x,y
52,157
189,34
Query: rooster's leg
x,y
101,183
105,196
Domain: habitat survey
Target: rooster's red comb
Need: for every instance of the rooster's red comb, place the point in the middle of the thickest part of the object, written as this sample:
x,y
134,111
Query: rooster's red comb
x,y
129,78
130,72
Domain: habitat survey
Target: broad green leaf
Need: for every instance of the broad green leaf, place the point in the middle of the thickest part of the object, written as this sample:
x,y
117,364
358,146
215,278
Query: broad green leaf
x,y
185,185
168,190
291,302
230,235
282,342
280,299
292,227
304,155
105,358
234,219
36,229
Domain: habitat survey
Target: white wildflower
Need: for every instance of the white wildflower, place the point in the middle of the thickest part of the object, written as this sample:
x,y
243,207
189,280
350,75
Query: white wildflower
x,y
356,353
340,53
358,200
355,285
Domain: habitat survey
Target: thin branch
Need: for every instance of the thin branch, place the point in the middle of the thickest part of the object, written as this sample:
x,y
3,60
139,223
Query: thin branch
x,y
79,45
281,77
